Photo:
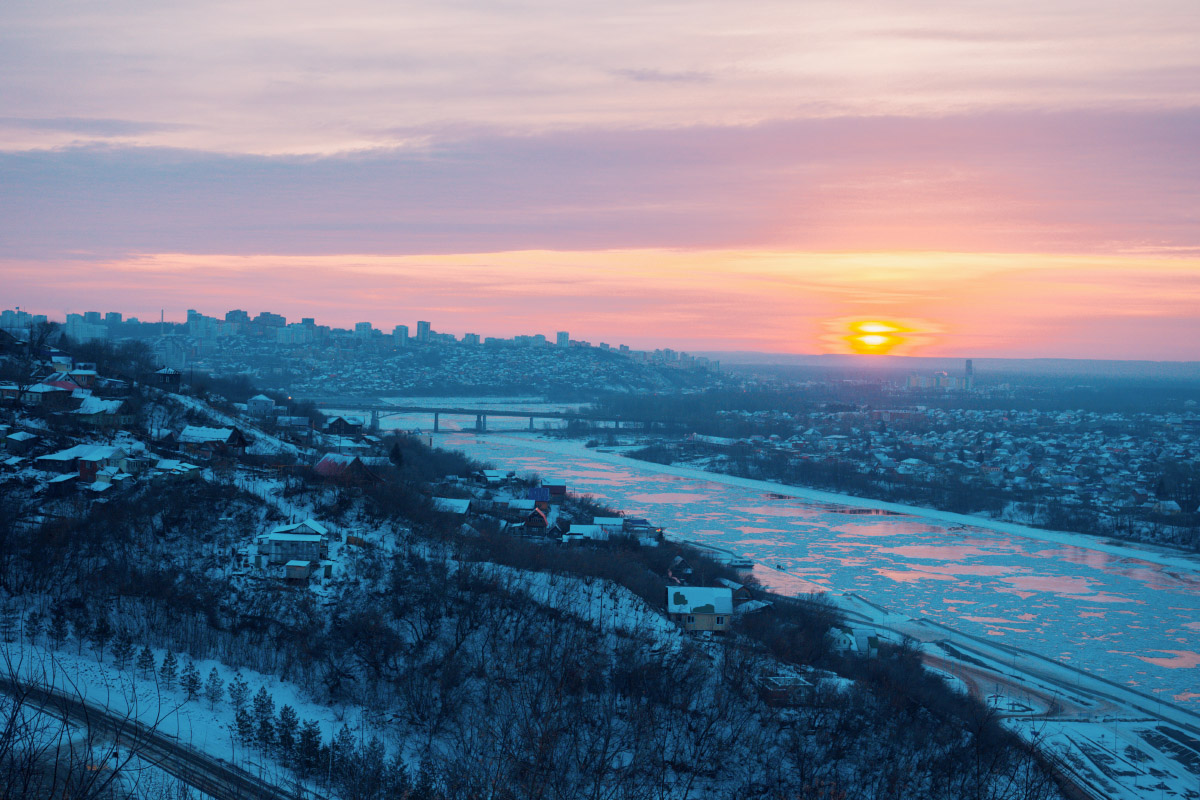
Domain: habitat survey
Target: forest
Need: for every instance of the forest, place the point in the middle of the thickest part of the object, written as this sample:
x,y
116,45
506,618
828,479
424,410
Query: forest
x,y
485,665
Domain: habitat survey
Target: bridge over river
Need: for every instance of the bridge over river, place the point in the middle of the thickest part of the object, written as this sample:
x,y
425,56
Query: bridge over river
x,y
379,411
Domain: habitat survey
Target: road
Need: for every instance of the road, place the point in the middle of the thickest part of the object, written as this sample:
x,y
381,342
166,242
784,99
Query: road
x,y
1025,687
212,776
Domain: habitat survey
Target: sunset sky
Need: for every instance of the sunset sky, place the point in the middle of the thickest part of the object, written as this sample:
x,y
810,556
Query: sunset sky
x,y
992,179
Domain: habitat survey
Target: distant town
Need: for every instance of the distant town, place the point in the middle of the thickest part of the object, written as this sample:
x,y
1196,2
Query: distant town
x,y
227,470
939,439
304,358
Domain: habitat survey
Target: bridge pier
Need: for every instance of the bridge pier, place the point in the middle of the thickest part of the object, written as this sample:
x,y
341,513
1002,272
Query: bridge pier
x,y
435,422
531,423
481,423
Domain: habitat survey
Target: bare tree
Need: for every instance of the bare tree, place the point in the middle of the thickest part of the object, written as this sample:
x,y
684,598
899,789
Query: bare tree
x,y
53,743
27,366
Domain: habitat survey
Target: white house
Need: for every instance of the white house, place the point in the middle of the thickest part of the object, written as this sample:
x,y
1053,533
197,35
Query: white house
x,y
301,541
260,406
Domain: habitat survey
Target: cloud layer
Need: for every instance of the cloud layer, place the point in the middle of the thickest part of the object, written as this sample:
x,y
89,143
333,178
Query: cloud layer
x,y
266,76
1005,178
1086,182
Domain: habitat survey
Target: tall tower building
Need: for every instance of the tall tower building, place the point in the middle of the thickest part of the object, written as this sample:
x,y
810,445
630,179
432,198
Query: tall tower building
x,y
422,331
400,335
969,381
563,339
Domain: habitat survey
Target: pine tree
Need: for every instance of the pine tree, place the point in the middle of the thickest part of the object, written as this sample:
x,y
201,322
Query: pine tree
x,y
424,787
343,752
239,692
265,733
286,730
58,625
396,782
100,634
308,748
33,626
263,704
264,717
122,648
169,669
81,629
371,766
145,662
189,680
214,688
245,726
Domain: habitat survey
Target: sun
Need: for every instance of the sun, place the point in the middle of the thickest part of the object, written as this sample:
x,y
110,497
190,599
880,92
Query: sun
x,y
874,337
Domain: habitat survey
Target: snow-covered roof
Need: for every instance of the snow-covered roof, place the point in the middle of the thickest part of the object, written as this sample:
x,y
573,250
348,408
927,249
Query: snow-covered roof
x,y
95,405
85,452
70,476
609,522
310,526
21,436
297,563
452,505
195,434
174,465
699,600
293,537
43,388
262,397
750,606
522,505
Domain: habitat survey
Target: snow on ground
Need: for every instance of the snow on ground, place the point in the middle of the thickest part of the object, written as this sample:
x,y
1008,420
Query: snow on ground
x,y
607,604
195,722
263,444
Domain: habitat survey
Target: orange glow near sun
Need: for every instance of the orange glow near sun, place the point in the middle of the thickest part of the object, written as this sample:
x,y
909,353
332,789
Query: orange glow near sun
x,y
873,337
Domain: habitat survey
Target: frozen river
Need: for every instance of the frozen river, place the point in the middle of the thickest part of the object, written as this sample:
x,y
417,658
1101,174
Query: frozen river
x,y
1132,620
1129,620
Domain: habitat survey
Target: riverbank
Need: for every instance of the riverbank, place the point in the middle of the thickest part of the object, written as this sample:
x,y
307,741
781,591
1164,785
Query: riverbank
x,y
1162,556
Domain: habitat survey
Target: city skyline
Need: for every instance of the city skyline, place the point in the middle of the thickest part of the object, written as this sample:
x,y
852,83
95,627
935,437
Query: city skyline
x,y
1008,180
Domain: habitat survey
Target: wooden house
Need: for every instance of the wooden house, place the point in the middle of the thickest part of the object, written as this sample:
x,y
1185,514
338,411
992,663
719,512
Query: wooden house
x,y
19,442
740,593
167,379
86,460
99,413
535,521
344,426
347,470
208,443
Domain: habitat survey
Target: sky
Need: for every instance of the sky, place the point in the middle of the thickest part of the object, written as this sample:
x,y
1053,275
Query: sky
x,y
991,179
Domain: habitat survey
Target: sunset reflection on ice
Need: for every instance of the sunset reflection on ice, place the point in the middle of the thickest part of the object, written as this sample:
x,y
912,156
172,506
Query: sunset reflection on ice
x,y
1111,615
